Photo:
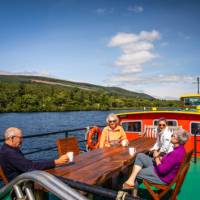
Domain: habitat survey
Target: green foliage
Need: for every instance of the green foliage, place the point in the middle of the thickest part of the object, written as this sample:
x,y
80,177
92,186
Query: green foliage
x,y
20,94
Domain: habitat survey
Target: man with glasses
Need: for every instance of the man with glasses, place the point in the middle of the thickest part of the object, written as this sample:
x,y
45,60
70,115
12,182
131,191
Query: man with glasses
x,y
113,134
163,144
13,161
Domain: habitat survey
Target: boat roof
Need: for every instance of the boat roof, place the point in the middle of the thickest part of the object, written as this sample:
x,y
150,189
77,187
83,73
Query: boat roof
x,y
189,95
162,111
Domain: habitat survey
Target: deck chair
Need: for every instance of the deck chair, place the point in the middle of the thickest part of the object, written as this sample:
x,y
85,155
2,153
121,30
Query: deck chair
x,y
177,182
150,131
67,144
3,176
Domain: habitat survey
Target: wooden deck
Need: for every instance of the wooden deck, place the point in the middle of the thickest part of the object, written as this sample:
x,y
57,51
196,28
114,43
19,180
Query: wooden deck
x,y
97,166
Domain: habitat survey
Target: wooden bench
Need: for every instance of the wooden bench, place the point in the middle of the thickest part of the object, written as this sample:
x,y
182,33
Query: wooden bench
x,y
177,182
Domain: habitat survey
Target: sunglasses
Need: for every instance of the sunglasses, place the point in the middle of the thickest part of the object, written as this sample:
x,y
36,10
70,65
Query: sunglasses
x,y
112,121
161,125
173,135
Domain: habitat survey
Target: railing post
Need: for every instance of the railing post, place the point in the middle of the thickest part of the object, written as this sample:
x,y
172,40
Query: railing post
x,y
195,147
87,129
66,134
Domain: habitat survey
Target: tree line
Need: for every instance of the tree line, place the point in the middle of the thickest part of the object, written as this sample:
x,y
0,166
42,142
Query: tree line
x,y
38,97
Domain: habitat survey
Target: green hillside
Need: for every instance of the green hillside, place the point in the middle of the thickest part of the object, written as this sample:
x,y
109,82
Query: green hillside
x,y
33,93
83,86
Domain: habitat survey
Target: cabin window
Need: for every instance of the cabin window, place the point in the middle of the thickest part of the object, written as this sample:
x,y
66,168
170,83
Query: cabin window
x,y
192,101
169,122
132,126
195,128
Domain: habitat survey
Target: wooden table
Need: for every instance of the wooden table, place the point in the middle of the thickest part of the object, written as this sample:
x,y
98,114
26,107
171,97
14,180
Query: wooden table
x,y
97,166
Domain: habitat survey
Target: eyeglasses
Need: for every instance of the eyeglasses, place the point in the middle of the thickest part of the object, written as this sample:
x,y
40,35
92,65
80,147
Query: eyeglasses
x,y
173,135
20,137
112,121
161,125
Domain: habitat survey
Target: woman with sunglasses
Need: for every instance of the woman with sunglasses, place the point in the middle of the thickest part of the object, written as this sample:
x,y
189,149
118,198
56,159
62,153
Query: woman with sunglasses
x,y
163,144
113,134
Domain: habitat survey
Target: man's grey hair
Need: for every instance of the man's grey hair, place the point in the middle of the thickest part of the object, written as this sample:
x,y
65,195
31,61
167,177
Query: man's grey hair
x,y
10,132
112,115
182,135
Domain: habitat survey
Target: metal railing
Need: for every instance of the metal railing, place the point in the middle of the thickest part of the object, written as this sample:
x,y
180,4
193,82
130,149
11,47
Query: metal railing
x,y
197,132
22,189
65,132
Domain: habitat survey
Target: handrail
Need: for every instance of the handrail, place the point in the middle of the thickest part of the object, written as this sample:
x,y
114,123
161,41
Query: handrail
x,y
46,180
53,133
96,189
195,144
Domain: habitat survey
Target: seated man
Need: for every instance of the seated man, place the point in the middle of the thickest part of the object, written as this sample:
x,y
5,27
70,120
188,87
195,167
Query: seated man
x,y
13,161
113,134
159,170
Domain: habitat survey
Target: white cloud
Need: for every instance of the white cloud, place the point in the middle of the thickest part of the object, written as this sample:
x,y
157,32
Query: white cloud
x,y
122,39
160,86
127,38
100,11
136,58
28,73
104,11
136,50
136,9
164,44
184,36
5,73
149,36
139,46
169,91
133,79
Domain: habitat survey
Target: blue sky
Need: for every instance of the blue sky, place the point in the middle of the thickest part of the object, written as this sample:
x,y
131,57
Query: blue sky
x,y
142,45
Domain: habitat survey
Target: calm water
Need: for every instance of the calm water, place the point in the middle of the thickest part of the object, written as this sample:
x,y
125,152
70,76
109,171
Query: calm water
x,y
35,123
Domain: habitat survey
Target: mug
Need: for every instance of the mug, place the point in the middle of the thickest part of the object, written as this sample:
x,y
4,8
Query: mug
x,y
70,156
131,151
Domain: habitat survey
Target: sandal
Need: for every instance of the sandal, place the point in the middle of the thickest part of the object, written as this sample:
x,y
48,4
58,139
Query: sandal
x,y
127,186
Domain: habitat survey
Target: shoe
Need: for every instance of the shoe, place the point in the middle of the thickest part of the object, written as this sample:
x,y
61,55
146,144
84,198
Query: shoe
x,y
126,186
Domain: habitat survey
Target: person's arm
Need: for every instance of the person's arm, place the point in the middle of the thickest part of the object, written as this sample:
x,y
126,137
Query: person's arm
x,y
103,138
156,157
157,160
156,145
123,134
61,160
165,165
18,161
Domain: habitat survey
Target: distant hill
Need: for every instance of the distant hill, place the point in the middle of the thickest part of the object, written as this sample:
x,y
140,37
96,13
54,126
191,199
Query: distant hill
x,y
83,86
40,94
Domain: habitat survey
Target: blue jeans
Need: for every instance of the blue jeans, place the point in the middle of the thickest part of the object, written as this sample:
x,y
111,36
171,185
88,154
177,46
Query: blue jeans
x,y
147,172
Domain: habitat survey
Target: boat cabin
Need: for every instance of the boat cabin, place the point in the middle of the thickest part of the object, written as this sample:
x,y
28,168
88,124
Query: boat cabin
x,y
188,118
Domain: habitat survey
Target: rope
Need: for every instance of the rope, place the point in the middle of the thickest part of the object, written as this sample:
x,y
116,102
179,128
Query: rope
x,y
121,195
